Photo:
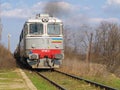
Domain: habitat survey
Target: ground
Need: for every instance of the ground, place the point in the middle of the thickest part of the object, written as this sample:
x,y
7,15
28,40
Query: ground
x,y
15,80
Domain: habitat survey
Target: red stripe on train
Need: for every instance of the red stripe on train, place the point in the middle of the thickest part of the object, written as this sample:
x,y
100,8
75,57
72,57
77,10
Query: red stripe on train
x,y
50,53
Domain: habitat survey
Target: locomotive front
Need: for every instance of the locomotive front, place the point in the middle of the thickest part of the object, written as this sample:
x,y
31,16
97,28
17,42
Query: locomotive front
x,y
43,42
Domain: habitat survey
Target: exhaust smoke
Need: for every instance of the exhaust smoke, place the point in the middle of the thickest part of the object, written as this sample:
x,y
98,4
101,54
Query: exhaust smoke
x,y
56,8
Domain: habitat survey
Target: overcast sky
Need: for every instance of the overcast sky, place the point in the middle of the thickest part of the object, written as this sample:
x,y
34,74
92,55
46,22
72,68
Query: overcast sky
x,y
15,12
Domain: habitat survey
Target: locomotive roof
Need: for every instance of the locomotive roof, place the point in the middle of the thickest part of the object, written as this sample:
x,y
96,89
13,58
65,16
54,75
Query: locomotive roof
x,y
40,18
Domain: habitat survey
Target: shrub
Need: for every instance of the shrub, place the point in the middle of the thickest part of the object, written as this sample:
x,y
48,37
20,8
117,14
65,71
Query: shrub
x,y
7,60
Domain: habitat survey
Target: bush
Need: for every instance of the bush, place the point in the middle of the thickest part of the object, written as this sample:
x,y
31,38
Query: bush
x,y
7,60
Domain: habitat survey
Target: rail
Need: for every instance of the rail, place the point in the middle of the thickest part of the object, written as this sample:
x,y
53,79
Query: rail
x,y
52,82
101,86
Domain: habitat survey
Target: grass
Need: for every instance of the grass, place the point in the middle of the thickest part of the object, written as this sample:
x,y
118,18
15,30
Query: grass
x,y
69,83
39,82
111,80
9,74
97,72
11,80
7,60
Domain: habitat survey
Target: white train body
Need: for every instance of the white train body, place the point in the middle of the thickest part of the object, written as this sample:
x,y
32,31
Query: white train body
x,y
41,42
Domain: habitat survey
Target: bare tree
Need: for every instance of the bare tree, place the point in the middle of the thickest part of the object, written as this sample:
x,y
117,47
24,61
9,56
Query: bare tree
x,y
107,43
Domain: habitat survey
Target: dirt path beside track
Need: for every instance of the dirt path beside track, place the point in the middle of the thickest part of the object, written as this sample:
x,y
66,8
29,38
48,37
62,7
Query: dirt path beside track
x,y
16,81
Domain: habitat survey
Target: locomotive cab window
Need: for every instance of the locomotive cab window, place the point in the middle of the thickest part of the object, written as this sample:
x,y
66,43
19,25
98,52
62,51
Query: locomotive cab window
x,y
53,29
36,29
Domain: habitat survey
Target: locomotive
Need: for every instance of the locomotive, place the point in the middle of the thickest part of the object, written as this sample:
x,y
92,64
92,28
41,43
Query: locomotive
x,y
41,42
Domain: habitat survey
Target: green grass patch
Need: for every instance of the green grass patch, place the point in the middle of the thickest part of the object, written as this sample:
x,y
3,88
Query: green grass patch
x,y
111,81
69,83
11,80
39,82
9,74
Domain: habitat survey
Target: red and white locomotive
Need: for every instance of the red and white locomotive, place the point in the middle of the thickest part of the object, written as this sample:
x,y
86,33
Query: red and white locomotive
x,y
41,42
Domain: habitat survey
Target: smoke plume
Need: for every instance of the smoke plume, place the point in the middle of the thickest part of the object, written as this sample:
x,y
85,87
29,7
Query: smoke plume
x,y
56,8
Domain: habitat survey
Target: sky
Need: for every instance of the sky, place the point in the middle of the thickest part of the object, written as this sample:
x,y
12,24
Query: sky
x,y
14,13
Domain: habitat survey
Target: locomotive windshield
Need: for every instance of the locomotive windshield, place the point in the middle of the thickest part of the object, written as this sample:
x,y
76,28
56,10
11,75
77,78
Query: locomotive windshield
x,y
53,29
36,28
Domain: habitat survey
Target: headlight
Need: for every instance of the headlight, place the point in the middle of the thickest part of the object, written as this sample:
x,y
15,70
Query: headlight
x,y
59,56
33,56
45,19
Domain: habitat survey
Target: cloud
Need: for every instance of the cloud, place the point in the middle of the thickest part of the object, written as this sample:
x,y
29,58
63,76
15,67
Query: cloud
x,y
6,6
75,21
9,11
40,7
16,13
87,8
112,7
98,20
21,12
83,19
113,2
70,13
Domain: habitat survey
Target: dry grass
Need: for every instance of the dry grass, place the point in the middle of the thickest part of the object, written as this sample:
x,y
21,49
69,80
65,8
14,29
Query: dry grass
x,y
79,67
99,66
117,71
7,61
74,63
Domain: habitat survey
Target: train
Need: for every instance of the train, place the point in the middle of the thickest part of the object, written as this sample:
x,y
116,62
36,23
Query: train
x,y
41,42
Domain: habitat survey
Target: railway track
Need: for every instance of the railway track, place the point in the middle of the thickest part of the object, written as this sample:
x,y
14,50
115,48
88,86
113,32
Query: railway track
x,y
101,86
60,87
52,82
98,85
87,83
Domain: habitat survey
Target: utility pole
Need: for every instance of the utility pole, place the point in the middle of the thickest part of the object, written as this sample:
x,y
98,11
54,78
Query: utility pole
x,y
9,41
0,23
0,29
89,51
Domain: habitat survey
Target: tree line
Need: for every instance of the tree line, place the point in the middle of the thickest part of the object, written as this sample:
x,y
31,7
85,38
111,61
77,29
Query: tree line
x,y
104,44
